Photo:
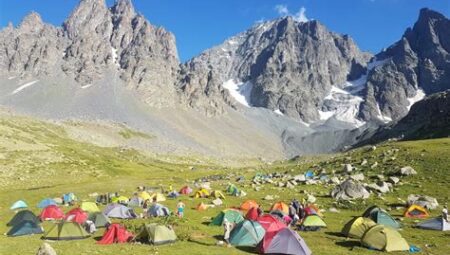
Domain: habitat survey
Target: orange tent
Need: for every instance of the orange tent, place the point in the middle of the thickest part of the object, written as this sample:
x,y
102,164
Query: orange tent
x,y
416,211
201,207
249,204
281,207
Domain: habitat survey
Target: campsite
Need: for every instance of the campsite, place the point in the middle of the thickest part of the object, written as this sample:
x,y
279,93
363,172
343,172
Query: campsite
x,y
96,170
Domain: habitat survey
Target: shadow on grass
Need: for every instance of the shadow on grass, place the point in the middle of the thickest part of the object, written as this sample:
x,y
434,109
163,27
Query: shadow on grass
x,y
218,237
198,242
206,223
248,249
338,234
349,244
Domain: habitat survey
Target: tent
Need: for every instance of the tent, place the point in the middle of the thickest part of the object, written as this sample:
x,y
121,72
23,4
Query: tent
x,y
51,212
384,238
312,223
69,198
201,193
356,227
247,233
217,194
89,207
116,233
77,215
186,190
232,189
249,204
312,209
26,227
416,211
20,204
201,207
309,174
272,225
46,202
287,241
100,220
144,196
66,231
119,211
24,215
158,196
173,194
135,202
435,224
156,234
217,202
158,210
380,216
281,207
252,214
120,200
232,215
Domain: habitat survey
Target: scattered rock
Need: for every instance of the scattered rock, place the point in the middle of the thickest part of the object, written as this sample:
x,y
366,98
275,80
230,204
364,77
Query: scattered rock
x,y
311,199
394,180
349,189
348,168
374,165
335,180
46,249
364,162
333,210
300,178
424,201
268,197
407,171
358,177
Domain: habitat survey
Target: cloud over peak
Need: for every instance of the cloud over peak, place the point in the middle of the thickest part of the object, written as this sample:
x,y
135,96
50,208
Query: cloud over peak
x,y
299,16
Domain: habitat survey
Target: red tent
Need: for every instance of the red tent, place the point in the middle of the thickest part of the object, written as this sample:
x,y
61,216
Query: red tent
x,y
186,190
77,215
51,212
252,214
272,225
116,233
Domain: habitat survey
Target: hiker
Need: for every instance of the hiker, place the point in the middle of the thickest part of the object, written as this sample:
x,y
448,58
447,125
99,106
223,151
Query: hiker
x,y
445,213
259,210
145,207
227,227
301,212
180,209
296,204
90,227
293,214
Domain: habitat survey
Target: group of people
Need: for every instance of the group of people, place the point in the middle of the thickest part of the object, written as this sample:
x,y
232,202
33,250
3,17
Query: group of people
x,y
296,211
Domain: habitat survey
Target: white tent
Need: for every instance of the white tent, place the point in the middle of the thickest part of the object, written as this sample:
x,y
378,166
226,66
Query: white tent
x,y
435,224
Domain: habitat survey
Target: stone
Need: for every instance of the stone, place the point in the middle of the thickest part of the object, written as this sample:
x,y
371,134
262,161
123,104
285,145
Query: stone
x,y
423,200
393,179
300,178
311,199
348,168
364,162
334,180
358,177
374,165
46,249
348,190
268,197
407,171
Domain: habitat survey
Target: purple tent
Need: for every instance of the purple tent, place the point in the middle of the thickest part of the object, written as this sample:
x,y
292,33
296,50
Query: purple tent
x,y
287,241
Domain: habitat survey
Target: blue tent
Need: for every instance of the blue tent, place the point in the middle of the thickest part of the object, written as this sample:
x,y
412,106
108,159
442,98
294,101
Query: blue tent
x,y
46,202
69,197
19,205
309,174
119,211
173,194
26,227
158,210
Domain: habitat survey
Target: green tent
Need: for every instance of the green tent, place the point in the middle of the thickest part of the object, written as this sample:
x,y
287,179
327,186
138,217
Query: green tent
x,y
66,231
232,190
100,219
247,233
231,215
313,221
26,227
156,234
384,238
25,215
380,216
356,227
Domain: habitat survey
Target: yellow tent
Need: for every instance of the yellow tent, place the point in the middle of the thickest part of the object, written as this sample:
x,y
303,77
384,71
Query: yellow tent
x,y
159,197
217,194
90,207
356,227
201,193
384,238
144,195
121,199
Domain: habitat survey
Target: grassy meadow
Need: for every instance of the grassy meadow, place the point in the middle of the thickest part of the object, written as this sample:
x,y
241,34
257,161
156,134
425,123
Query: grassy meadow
x,y
39,160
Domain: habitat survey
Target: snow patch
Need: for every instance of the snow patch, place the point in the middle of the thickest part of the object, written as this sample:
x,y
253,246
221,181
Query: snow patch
x,y
277,111
115,56
380,115
325,115
12,77
239,91
419,96
86,86
24,86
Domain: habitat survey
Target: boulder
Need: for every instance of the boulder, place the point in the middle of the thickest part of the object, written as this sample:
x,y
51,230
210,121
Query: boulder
x,y
424,201
374,165
348,168
46,249
348,190
334,180
358,177
364,162
311,199
393,180
381,187
289,185
300,178
407,171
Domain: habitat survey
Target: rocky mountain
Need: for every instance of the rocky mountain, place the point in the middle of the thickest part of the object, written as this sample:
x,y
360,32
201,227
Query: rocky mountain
x,y
283,65
92,42
415,66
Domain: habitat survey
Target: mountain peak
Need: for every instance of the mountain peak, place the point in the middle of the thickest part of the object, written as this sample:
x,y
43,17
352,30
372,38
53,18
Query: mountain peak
x,y
427,14
32,19
87,16
123,8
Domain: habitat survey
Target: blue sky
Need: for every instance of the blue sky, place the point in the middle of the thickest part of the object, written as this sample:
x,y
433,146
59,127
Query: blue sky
x,y
200,24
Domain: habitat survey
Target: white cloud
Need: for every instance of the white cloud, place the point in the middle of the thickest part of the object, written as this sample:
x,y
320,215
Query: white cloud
x,y
300,16
283,11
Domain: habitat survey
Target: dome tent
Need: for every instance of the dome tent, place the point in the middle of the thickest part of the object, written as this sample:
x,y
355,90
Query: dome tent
x,y
435,224
100,220
416,211
66,231
356,227
287,241
156,234
247,233
384,238
231,215
25,215
380,216
26,227
20,204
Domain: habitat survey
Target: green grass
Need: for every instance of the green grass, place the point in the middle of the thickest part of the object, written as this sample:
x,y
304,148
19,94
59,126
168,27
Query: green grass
x,y
129,133
49,164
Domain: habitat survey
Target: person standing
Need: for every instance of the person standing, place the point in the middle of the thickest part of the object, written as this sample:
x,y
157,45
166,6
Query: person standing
x,y
180,209
445,213
227,227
